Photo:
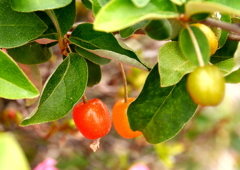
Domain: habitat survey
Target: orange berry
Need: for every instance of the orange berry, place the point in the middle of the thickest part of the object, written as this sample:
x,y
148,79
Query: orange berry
x,y
120,119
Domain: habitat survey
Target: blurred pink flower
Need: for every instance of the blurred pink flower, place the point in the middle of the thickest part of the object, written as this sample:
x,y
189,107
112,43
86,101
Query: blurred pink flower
x,y
47,164
139,166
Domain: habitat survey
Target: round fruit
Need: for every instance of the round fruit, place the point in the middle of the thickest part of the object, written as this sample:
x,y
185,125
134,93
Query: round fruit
x,y
211,37
206,85
120,119
92,119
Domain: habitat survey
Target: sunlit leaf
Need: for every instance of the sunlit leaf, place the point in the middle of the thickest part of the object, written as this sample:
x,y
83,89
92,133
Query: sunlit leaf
x,y
211,6
37,5
13,82
9,147
112,18
173,65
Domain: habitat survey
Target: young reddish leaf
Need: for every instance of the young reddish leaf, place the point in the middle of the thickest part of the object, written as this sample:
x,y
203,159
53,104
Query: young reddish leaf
x,y
161,112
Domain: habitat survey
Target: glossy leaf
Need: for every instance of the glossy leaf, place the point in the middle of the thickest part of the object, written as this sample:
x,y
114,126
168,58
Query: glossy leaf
x,y
104,45
130,30
224,34
187,45
63,89
94,73
91,56
33,74
18,28
140,3
9,147
112,18
51,32
37,5
210,6
160,112
13,82
173,65
31,53
159,29
63,18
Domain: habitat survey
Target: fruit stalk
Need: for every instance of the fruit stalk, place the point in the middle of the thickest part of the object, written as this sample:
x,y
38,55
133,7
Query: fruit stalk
x,y
124,83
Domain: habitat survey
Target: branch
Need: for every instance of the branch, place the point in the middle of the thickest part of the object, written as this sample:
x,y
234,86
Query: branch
x,y
223,25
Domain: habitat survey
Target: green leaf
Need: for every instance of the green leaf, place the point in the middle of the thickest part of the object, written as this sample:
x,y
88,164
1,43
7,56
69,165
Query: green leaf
x,y
13,82
94,73
91,56
104,45
87,4
211,6
140,3
130,30
18,28
10,148
224,34
63,18
173,65
186,40
160,112
226,66
112,18
225,53
37,5
63,89
159,29
51,32
31,53
234,77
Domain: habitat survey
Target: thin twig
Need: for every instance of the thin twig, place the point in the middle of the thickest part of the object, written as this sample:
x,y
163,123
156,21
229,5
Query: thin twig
x,y
223,25
233,37
124,83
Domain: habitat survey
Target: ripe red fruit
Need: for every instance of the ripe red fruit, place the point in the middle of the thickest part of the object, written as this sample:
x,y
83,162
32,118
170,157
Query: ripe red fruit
x,y
92,118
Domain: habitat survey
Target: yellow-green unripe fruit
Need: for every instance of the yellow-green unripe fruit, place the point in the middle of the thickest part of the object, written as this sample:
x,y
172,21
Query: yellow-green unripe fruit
x,y
211,37
206,85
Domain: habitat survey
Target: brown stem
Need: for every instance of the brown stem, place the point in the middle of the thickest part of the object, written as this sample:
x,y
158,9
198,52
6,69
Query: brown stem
x,y
234,37
124,83
84,98
223,25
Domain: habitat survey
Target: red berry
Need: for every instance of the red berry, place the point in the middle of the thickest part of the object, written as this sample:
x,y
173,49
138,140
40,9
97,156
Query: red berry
x,y
92,119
